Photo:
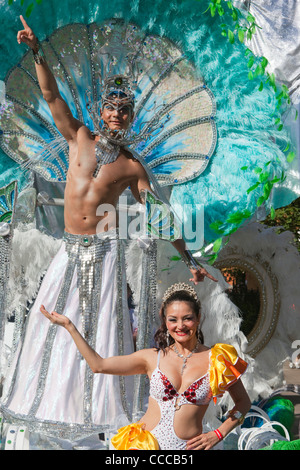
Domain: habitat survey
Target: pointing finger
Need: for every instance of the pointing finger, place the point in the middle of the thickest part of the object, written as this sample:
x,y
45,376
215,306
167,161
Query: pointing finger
x,y
24,22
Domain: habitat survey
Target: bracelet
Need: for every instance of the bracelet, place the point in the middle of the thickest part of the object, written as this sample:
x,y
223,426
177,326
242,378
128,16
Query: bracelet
x,y
190,261
236,415
219,435
39,56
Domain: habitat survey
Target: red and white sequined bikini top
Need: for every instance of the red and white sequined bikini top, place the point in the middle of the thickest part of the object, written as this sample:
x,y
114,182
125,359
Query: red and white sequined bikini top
x,y
225,368
162,390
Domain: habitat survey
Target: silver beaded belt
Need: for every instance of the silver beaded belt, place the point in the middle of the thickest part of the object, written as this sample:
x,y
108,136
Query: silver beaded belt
x,y
83,240
88,240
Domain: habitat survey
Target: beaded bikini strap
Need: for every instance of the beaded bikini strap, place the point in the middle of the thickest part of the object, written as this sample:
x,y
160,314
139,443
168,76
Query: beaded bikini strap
x,y
158,356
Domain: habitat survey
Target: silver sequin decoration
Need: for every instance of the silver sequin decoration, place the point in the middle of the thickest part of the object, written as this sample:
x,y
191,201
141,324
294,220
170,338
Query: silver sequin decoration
x,y
86,252
146,317
105,152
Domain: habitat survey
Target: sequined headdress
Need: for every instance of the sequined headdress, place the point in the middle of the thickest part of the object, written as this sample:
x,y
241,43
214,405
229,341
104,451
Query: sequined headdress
x,y
179,287
117,91
173,129
118,87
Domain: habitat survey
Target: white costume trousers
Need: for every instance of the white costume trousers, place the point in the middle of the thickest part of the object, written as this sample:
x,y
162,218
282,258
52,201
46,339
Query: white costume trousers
x,y
50,387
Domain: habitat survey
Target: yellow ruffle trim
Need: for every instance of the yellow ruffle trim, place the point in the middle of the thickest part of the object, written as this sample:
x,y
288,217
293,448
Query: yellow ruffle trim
x,y
134,437
226,367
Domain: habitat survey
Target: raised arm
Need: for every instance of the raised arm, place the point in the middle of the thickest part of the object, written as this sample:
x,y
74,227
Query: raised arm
x,y
63,118
132,364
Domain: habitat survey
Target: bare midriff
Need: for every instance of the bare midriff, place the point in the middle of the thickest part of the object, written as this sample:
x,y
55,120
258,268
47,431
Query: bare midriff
x,y
187,420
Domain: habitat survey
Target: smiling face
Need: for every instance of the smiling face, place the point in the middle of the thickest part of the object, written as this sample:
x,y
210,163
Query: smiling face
x,y
181,321
117,119
117,112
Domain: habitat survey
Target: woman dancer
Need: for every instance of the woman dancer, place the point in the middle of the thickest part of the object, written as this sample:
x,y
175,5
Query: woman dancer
x,y
184,376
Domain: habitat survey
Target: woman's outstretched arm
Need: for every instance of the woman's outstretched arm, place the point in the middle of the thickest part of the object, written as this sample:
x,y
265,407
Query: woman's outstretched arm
x,y
132,364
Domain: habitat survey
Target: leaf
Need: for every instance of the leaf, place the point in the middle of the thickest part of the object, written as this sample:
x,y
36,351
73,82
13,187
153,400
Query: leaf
x,y
221,10
175,258
290,157
29,10
264,176
247,214
275,180
260,201
250,18
234,15
212,259
272,79
230,36
258,71
213,10
252,188
267,189
244,168
217,245
257,170
215,226
241,35
238,216
272,213
261,86
250,62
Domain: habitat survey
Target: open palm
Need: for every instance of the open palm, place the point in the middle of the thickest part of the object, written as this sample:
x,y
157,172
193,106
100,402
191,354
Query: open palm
x,y
55,317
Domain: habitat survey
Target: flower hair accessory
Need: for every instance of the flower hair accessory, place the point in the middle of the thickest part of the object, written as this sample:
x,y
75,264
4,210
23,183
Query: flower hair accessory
x,y
180,286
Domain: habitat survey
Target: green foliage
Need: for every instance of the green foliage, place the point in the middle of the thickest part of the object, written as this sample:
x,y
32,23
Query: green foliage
x,y
242,28
286,219
28,6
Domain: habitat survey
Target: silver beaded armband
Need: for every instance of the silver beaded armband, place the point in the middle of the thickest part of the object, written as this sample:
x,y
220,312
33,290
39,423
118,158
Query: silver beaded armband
x,y
39,56
190,261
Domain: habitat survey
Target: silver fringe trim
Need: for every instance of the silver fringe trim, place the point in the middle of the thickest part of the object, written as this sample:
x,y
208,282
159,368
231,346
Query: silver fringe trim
x,y
86,252
146,318
5,253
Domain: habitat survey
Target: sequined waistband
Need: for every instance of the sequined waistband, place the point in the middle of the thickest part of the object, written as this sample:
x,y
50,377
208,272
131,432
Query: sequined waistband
x,y
87,240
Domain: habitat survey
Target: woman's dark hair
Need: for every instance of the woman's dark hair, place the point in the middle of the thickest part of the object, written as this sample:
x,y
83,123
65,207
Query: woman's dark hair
x,y
160,336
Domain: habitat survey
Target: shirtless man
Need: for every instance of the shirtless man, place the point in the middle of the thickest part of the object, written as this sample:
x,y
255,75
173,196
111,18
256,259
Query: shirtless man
x,y
85,281
84,193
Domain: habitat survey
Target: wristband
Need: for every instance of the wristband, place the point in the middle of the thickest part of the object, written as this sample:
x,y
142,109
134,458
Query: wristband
x,y
237,415
190,261
219,435
39,56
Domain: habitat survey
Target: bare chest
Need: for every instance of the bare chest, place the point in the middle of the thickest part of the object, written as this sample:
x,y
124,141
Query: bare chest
x,y
90,166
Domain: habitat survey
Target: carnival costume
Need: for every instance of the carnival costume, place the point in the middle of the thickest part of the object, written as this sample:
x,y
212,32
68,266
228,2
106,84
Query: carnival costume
x,y
88,264
85,281
174,136
225,368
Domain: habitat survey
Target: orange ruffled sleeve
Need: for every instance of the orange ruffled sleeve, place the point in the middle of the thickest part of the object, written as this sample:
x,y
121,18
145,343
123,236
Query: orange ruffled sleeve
x,y
226,367
134,437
